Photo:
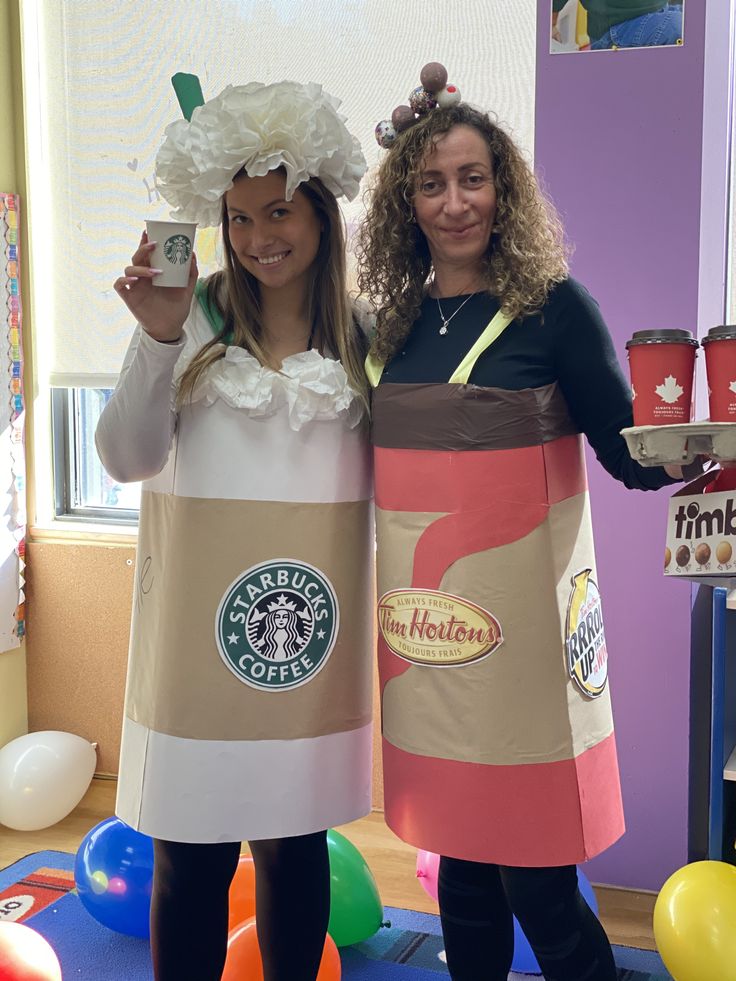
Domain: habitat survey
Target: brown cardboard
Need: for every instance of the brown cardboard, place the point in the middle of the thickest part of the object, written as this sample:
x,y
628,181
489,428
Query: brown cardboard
x,y
701,532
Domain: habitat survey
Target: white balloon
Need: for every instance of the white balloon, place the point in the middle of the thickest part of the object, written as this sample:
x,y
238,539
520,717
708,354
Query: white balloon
x,y
43,776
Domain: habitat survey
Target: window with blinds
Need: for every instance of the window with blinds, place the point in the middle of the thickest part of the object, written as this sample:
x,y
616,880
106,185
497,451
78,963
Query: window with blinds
x,y
98,98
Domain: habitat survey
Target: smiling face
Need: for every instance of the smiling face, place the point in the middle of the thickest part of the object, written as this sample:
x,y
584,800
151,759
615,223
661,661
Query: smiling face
x,y
455,201
275,240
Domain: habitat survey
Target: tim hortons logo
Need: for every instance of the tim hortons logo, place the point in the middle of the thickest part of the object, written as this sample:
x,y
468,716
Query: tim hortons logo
x,y
429,627
693,522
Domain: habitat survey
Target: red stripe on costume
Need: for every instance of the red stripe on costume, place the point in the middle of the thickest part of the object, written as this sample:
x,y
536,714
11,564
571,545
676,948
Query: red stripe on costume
x,y
510,815
466,480
390,665
564,461
456,535
494,497
452,537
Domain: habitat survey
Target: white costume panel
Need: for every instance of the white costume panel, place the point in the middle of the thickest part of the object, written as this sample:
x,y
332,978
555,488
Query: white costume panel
x,y
217,782
248,702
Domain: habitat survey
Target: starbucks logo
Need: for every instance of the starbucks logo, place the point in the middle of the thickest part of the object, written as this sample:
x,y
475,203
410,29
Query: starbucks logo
x,y
277,624
177,249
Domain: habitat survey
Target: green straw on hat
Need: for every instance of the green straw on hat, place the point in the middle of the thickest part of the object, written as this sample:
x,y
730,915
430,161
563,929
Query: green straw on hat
x,y
188,92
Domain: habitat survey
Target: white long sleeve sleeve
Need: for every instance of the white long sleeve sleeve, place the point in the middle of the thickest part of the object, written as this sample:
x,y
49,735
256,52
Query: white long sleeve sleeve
x,y
137,425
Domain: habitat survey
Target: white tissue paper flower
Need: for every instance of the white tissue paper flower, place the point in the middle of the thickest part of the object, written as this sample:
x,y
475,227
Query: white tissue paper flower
x,y
311,387
260,128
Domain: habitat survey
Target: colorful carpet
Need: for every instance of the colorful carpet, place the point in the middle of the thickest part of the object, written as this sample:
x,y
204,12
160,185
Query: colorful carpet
x,y
39,890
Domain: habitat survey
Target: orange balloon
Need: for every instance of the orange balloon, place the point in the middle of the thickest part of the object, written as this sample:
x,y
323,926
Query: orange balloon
x,y
242,898
244,956
25,955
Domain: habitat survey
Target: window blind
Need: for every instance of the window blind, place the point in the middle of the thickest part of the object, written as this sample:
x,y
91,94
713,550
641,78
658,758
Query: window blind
x,y
99,98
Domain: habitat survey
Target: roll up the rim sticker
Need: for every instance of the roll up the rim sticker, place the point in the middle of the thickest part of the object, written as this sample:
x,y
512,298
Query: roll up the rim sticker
x,y
436,629
585,639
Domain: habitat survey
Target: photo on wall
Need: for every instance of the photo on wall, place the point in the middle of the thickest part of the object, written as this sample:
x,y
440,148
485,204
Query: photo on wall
x,y
614,25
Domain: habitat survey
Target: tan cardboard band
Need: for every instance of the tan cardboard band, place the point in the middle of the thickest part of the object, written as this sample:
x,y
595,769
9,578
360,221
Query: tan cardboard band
x,y
178,682
478,712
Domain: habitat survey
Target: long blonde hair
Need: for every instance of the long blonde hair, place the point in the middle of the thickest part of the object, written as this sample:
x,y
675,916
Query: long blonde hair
x,y
235,293
526,255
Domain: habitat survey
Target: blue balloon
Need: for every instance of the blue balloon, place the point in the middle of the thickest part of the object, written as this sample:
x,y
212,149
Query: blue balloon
x,y
524,960
113,872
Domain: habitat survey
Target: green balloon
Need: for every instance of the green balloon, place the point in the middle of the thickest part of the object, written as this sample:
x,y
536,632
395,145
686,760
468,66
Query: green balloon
x,y
356,910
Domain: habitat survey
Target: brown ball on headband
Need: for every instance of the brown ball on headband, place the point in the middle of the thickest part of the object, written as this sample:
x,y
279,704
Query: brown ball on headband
x,y
402,117
433,76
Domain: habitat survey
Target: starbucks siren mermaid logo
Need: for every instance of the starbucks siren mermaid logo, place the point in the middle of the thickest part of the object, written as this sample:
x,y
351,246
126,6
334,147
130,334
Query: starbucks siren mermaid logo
x,y
280,631
177,249
277,624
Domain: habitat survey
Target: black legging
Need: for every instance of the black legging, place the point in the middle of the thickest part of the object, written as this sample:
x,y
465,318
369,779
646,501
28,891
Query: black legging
x,y
189,907
477,905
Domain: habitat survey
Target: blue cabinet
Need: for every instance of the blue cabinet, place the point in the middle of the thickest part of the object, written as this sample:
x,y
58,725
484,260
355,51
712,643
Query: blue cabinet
x,y
712,804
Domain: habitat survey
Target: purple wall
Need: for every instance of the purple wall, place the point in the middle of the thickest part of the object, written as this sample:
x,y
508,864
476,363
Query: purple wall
x,y
618,145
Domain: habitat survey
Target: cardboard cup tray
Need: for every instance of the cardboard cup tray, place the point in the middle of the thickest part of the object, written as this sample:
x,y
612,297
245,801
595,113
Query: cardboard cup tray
x,y
656,446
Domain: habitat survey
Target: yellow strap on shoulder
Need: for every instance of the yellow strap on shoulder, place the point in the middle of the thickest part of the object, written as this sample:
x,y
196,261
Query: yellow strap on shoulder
x,y
492,332
373,370
374,367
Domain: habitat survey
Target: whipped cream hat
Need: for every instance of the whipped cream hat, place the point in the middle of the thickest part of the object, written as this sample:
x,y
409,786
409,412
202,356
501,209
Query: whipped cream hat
x,y
257,128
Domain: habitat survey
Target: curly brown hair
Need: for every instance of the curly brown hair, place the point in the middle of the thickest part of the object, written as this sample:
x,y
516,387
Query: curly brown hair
x,y
526,254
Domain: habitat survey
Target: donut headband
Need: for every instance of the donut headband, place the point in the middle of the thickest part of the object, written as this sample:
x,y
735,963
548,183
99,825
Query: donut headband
x,y
433,91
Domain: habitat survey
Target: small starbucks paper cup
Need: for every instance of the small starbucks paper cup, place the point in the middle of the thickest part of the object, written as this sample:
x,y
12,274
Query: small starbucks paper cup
x,y
173,252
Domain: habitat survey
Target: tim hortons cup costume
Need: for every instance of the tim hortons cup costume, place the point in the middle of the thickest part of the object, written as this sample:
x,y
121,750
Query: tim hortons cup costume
x,y
498,741
248,701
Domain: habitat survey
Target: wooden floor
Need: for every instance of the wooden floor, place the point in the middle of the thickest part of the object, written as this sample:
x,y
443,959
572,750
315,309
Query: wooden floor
x,y
626,915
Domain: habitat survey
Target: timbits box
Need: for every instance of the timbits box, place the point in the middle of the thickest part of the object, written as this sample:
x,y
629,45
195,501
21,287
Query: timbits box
x,y
701,531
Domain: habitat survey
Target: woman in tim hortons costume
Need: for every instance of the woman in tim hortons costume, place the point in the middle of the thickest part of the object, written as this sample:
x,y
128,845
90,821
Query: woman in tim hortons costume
x,y
242,405
488,362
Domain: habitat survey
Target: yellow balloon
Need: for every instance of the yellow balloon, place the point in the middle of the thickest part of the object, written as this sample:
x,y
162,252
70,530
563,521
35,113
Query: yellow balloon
x,y
695,922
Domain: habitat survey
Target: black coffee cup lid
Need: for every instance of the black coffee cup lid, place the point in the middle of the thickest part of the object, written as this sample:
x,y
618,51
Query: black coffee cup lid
x,y
726,332
673,336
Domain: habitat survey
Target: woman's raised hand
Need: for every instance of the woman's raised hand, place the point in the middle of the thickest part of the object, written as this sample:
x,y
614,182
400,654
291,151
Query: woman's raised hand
x,y
161,311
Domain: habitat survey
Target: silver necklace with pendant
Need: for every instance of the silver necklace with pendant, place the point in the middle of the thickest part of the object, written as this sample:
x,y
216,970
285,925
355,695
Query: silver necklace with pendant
x,y
446,320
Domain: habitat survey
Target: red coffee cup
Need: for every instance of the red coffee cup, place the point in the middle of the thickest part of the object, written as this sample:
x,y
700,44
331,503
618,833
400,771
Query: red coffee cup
x,y
720,367
662,365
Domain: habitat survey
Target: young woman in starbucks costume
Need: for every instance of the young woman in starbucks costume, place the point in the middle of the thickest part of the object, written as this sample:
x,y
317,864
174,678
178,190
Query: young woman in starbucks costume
x,y
241,405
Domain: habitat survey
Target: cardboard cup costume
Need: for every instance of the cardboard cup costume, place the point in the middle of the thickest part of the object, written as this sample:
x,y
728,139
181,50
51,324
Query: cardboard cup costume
x,y
498,741
248,703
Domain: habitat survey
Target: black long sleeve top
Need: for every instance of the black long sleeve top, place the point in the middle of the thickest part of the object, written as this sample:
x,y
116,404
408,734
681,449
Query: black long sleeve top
x,y
568,343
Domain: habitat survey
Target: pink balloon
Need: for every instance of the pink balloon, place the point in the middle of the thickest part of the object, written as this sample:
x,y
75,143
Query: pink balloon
x,y
428,866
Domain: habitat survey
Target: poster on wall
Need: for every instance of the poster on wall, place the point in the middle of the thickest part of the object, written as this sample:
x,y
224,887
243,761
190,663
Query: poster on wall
x,y
615,25
12,419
